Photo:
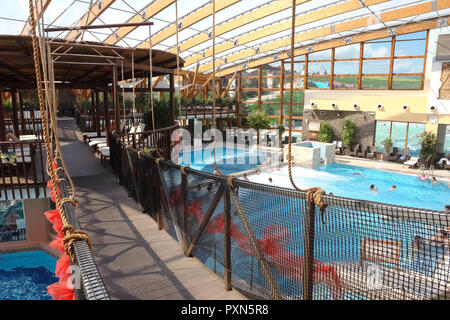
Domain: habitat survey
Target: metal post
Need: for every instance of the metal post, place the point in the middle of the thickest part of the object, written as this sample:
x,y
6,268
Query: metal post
x,y
22,116
227,240
116,102
184,182
106,110
308,268
97,112
172,97
14,112
93,117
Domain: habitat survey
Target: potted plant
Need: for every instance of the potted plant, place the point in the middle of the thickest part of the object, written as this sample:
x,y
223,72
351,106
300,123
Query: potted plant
x,y
258,120
326,132
428,145
348,134
387,144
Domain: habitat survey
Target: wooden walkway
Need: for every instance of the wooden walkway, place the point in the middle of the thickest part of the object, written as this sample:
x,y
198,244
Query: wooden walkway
x,y
135,259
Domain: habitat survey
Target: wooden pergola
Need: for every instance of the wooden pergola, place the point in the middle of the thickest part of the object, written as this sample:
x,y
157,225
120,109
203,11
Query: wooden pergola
x,y
81,65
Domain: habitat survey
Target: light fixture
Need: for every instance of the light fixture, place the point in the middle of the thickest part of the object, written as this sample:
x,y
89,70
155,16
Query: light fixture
x,y
313,104
100,5
405,107
433,108
380,107
356,106
334,105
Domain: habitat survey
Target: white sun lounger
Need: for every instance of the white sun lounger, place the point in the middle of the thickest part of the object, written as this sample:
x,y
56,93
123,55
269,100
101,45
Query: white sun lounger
x,y
411,162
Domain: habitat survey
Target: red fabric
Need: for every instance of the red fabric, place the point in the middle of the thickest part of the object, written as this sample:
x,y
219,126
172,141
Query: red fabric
x,y
57,243
50,184
55,165
62,266
176,198
54,218
60,291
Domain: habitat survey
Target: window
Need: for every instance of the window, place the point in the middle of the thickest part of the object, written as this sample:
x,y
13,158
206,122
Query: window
x,y
348,52
383,131
398,134
414,132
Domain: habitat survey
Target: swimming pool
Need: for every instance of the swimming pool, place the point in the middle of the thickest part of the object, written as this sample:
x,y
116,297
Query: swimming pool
x,y
229,160
354,182
25,275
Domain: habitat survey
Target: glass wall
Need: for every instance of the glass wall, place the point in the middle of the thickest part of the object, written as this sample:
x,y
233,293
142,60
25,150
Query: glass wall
x,y
390,63
403,135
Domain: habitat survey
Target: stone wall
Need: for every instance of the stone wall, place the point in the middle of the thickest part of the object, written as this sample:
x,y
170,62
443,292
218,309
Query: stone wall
x,y
365,125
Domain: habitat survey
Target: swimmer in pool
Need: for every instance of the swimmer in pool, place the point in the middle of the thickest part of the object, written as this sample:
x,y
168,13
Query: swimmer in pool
x,y
373,189
393,188
270,180
422,177
434,181
356,174
245,177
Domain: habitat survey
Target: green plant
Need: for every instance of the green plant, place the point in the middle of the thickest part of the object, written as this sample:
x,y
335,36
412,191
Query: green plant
x,y
428,144
281,130
163,116
9,158
348,133
258,120
387,144
219,102
326,132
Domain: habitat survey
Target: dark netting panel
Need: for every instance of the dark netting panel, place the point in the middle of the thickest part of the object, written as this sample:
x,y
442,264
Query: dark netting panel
x,y
114,149
383,251
358,250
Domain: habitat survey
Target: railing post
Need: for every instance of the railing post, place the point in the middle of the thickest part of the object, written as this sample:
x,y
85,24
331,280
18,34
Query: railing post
x,y
184,182
227,240
308,268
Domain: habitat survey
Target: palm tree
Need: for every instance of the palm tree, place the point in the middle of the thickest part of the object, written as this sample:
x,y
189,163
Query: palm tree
x,y
258,120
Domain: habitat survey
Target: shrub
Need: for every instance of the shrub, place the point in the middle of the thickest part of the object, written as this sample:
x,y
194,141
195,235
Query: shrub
x,y
258,120
428,144
326,132
387,144
348,133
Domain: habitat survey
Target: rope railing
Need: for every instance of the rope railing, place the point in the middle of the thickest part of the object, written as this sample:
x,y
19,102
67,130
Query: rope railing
x,y
264,240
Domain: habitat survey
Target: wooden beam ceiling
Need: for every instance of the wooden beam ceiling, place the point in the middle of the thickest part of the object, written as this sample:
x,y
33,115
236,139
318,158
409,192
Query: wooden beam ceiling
x,y
364,36
188,21
154,8
89,17
329,30
275,28
39,11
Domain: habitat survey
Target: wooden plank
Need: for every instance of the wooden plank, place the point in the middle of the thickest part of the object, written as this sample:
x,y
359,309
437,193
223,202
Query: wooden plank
x,y
89,17
188,21
203,86
310,35
191,93
153,9
366,36
229,84
284,25
39,11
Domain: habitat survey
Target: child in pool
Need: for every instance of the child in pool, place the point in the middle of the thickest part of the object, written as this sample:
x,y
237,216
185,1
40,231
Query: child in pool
x,y
373,189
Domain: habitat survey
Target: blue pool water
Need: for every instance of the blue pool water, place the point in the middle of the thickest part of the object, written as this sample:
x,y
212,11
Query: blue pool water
x,y
25,275
229,160
341,181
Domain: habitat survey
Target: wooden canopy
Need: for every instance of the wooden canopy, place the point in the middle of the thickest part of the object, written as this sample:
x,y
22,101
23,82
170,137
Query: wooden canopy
x,y
78,65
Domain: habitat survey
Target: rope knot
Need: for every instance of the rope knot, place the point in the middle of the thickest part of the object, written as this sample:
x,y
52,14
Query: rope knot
x,y
70,237
230,181
314,195
183,169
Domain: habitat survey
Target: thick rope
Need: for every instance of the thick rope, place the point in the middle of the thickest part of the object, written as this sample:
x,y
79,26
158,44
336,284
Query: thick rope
x,y
313,195
216,168
46,132
151,89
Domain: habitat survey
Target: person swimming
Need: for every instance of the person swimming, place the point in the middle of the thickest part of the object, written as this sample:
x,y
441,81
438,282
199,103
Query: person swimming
x,y
422,177
270,180
433,180
246,178
393,188
356,174
373,189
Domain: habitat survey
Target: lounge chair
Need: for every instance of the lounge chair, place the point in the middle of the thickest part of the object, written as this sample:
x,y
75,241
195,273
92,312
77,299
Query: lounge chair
x,y
411,163
405,155
355,150
394,155
371,152
427,162
338,147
